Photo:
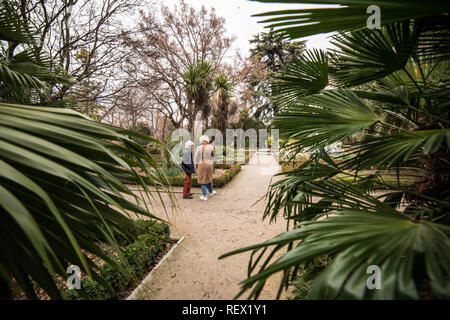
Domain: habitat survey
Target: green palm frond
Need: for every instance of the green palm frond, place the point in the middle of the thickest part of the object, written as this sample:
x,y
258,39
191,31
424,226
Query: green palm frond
x,y
384,200
358,231
12,25
25,76
388,151
197,79
322,119
223,82
367,55
395,96
62,188
306,75
345,15
63,176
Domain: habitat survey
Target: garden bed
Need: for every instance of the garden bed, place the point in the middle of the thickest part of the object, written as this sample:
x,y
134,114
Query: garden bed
x,y
142,255
220,178
388,178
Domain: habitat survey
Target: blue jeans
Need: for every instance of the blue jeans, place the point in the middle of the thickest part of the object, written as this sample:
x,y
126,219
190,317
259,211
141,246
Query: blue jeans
x,y
210,188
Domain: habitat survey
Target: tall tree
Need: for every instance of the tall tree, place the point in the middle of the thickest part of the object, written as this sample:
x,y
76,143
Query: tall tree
x,y
166,44
197,85
271,53
221,102
83,38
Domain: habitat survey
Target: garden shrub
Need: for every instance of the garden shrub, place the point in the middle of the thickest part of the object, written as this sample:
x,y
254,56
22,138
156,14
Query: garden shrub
x,y
143,227
218,182
152,238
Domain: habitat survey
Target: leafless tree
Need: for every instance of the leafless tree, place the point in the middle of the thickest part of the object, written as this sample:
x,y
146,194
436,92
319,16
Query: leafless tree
x,y
167,42
84,38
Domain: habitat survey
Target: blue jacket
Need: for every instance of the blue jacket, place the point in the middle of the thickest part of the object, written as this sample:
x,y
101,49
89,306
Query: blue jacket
x,y
187,162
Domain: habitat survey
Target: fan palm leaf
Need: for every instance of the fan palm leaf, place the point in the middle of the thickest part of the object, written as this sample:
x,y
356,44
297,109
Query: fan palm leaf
x,y
63,176
393,92
306,75
325,118
345,15
360,231
47,154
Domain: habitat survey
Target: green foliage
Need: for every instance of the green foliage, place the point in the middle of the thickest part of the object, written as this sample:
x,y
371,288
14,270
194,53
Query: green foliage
x,y
198,84
218,182
346,15
305,75
139,255
307,274
62,175
25,76
392,91
223,89
273,50
222,82
276,54
173,171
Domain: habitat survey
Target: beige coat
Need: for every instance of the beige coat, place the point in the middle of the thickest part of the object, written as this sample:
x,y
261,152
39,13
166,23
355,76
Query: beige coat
x,y
204,158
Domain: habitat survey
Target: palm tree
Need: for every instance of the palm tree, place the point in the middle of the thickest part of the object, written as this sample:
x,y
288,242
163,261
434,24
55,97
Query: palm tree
x,y
62,175
385,201
198,83
221,102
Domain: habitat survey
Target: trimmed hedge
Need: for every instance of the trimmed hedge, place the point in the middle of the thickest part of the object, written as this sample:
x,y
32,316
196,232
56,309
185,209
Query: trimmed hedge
x,y
389,180
152,239
218,182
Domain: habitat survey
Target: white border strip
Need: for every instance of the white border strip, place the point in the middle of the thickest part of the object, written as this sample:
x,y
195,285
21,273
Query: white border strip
x,y
133,294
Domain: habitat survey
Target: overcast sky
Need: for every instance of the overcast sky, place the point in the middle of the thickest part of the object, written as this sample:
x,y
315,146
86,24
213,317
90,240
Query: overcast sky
x,y
237,14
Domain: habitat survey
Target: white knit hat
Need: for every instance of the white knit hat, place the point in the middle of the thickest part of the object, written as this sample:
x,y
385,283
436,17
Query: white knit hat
x,y
204,139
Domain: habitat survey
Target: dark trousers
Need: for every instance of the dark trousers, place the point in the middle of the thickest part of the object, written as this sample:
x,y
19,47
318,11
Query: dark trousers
x,y
187,184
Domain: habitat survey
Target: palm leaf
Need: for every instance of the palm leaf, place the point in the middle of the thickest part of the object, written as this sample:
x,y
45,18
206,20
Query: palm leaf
x,y
346,16
367,55
46,154
388,151
323,119
12,25
306,75
373,234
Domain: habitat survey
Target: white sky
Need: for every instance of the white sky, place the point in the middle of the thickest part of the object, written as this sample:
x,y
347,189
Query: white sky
x,y
237,14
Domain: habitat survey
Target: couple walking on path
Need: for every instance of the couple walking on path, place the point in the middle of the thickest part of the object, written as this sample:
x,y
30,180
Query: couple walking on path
x,y
201,163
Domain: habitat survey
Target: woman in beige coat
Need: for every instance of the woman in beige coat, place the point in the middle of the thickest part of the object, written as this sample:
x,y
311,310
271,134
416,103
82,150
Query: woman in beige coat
x,y
204,159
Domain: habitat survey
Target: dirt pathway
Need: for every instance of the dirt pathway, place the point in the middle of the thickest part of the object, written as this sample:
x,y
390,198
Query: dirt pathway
x,y
225,222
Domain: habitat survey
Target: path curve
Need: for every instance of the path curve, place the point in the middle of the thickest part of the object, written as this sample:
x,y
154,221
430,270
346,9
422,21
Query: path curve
x,y
225,222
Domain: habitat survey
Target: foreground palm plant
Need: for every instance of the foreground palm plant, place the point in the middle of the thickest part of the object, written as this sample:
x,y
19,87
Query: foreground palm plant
x,y
62,176
386,200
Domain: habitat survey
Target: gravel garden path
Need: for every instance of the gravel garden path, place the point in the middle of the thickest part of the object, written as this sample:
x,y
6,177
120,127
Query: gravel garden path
x,y
227,221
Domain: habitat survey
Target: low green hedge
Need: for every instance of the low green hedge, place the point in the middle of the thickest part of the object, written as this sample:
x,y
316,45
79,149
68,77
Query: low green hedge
x,y
152,239
385,180
218,182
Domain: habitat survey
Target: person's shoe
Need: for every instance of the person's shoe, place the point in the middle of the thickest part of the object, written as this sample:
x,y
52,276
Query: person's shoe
x,y
188,197
213,193
203,198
